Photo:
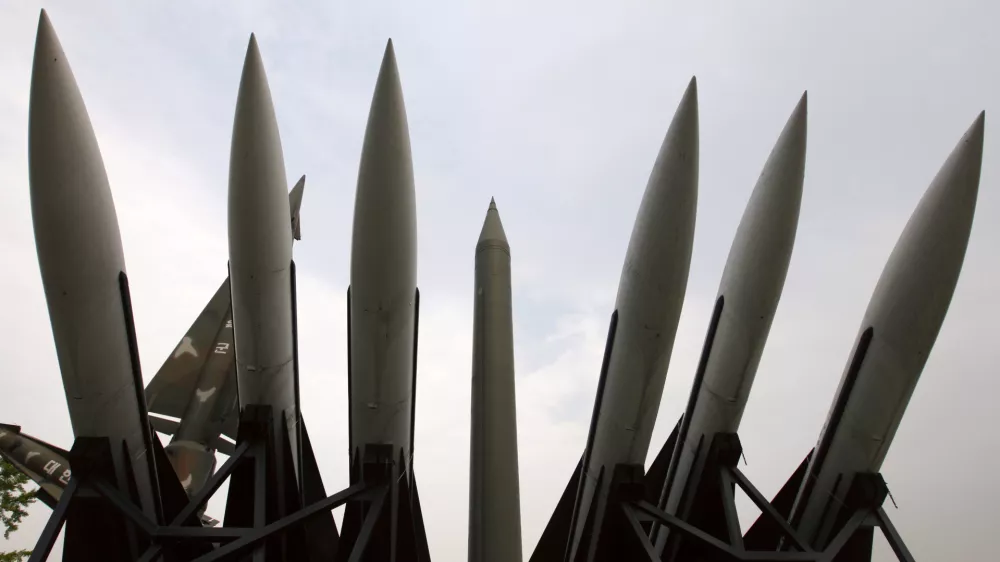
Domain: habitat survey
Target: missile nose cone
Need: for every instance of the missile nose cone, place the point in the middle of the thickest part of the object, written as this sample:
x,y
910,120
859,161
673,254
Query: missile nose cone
x,y
384,233
259,229
914,292
492,235
71,200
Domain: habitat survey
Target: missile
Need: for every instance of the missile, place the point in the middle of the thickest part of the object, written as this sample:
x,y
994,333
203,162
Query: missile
x,y
897,334
647,310
45,464
261,272
494,498
86,288
744,308
383,292
197,384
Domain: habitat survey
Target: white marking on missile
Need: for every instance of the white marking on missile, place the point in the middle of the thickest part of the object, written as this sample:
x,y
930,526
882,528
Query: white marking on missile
x,y
30,455
221,348
185,346
66,476
229,324
187,481
203,395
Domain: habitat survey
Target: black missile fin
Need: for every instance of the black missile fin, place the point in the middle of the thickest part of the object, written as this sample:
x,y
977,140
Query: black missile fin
x,y
765,534
320,530
552,544
657,472
420,535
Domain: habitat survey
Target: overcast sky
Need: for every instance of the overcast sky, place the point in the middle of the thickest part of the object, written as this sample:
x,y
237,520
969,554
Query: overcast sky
x,y
558,111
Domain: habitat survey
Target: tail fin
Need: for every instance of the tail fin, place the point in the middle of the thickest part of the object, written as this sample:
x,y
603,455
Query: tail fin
x,y
295,204
552,544
765,534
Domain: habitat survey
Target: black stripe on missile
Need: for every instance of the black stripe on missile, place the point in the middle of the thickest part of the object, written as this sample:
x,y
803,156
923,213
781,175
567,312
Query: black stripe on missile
x,y
413,395
699,378
140,396
350,400
836,414
585,463
295,373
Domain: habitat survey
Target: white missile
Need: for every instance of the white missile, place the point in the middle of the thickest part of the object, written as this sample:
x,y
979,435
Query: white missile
x,y
383,294
83,269
748,296
896,336
650,295
494,491
260,259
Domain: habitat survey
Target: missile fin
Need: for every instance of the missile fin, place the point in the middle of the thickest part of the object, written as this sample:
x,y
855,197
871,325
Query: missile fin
x,y
320,531
295,204
765,534
657,473
172,492
552,544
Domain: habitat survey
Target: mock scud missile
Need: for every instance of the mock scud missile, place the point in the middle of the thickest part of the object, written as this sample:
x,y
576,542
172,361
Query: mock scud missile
x,y
640,340
45,464
748,297
83,273
197,385
494,498
897,334
382,315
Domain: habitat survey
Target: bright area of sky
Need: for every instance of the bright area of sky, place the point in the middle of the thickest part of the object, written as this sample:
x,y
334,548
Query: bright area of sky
x,y
558,111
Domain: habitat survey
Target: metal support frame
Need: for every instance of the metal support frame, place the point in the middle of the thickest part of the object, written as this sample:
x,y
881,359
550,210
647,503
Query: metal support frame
x,y
863,511
232,542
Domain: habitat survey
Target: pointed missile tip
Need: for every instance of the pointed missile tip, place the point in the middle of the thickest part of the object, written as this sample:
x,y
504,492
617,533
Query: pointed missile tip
x,y
45,33
492,227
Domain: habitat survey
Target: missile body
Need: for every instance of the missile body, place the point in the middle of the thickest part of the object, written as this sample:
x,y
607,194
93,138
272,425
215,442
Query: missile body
x,y
748,297
650,295
83,269
494,499
197,383
260,261
896,336
382,301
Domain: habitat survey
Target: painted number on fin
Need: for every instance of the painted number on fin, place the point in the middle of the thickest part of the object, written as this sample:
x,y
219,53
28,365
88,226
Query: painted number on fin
x,y
222,348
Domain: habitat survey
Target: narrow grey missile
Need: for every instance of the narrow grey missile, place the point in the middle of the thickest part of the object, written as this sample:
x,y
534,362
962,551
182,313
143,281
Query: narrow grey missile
x,y
748,296
650,295
260,260
197,384
897,334
382,303
494,497
83,268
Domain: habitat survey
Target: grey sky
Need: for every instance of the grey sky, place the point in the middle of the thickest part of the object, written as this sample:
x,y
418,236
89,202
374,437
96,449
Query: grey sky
x,y
557,111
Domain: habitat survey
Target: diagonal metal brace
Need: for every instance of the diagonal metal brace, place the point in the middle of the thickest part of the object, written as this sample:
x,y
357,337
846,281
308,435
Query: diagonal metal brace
x,y
212,485
55,523
765,506
124,506
361,544
258,535
892,536
690,530
640,533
